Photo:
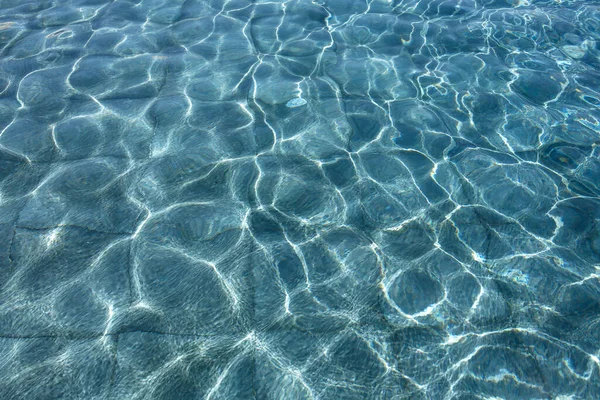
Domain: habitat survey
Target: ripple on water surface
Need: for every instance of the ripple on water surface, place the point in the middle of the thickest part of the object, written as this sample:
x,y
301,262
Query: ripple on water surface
x,y
236,199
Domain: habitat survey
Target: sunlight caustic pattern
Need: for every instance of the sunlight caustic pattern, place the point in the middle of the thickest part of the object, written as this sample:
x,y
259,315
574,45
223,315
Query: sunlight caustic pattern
x,y
327,199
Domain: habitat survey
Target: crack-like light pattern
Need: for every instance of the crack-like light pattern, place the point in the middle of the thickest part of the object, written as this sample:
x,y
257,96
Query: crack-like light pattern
x,y
326,199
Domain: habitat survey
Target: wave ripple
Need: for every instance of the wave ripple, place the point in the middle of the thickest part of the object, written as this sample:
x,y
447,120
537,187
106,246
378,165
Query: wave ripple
x,y
299,199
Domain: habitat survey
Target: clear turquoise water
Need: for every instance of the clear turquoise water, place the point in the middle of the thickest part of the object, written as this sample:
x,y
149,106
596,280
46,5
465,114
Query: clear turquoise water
x,y
327,199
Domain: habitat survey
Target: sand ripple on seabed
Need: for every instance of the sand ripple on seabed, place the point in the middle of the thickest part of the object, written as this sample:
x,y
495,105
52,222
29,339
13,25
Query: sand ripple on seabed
x,y
299,199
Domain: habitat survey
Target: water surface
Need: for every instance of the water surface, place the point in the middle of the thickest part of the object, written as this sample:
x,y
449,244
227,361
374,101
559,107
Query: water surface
x,y
327,199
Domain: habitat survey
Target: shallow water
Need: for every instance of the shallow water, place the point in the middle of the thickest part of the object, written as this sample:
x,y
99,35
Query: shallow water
x,y
327,199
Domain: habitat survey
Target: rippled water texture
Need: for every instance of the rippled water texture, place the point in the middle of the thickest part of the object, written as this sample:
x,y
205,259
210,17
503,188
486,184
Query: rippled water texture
x,y
327,199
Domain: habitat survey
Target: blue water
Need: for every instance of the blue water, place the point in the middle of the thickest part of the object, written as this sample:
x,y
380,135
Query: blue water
x,y
327,199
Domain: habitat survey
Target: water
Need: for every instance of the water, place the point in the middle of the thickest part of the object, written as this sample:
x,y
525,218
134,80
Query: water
x,y
326,199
